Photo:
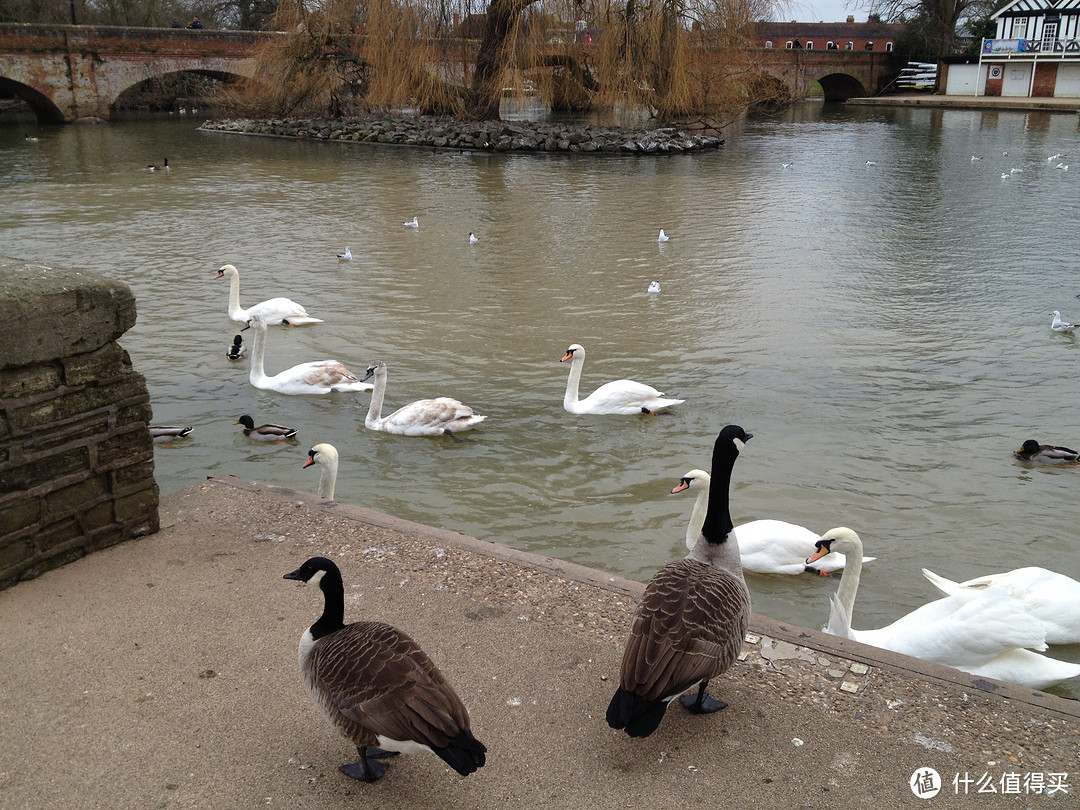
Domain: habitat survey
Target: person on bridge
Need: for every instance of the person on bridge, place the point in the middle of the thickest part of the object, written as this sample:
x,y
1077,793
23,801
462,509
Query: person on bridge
x,y
195,23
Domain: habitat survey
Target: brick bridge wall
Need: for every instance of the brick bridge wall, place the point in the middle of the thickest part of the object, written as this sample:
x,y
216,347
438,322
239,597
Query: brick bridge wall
x,y
75,71
76,458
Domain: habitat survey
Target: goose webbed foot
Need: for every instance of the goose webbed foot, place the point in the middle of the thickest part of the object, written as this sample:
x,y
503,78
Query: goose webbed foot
x,y
380,753
702,703
367,768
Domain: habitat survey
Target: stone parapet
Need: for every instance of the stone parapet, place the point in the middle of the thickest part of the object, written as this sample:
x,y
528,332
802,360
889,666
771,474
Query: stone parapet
x,y
76,458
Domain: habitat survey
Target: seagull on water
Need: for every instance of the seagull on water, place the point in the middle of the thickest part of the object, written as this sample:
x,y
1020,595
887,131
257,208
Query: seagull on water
x,y
346,256
871,163
1059,325
1015,171
415,223
1062,166
975,157
786,165
663,237
473,238
1052,158
1005,176
654,286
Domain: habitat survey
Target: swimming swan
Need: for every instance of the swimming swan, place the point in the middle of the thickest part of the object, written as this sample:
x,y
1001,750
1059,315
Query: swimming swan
x,y
275,310
425,417
1052,597
316,377
765,546
620,396
984,633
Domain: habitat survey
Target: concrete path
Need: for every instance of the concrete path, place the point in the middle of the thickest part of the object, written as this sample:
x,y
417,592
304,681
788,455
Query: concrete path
x,y
162,673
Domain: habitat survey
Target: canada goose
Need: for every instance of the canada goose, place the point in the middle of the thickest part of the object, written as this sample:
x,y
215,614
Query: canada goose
x,y
315,377
265,433
159,167
689,626
981,632
1059,325
1031,450
274,310
326,456
162,434
376,687
237,350
765,546
425,417
1051,597
618,397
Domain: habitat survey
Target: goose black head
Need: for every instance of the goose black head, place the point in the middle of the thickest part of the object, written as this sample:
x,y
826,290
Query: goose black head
x,y
313,571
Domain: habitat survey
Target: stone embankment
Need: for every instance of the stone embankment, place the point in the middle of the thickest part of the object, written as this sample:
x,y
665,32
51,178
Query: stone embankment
x,y
487,136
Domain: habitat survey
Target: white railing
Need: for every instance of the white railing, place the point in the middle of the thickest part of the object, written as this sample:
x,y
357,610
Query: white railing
x,y
1038,48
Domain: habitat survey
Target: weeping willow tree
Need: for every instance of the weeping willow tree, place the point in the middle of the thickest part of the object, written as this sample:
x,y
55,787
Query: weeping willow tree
x,y
671,57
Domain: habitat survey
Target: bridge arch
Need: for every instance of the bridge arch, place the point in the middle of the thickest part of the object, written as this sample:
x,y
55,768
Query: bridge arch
x,y
169,82
41,105
841,87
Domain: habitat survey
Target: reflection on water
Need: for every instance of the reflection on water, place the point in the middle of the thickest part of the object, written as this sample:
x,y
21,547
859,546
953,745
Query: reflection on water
x,y
882,329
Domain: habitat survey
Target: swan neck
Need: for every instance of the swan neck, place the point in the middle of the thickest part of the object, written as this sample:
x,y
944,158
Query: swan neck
x,y
718,525
572,382
258,347
697,519
378,391
849,580
234,296
327,481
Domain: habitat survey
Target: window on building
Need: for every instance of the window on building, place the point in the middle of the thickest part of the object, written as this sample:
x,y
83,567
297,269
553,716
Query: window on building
x,y
809,45
830,45
888,46
870,45
1019,28
789,45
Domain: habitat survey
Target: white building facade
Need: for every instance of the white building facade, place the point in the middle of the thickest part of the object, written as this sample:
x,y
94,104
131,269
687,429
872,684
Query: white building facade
x,y
1036,52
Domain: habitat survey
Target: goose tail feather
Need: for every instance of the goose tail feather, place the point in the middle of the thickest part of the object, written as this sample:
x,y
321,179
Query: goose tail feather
x,y
635,715
464,753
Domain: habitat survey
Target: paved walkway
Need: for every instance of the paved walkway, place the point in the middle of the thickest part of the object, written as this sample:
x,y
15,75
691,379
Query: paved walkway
x,y
162,673
1065,105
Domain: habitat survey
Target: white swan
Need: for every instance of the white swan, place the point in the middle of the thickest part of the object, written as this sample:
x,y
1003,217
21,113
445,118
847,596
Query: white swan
x,y
766,546
620,396
1052,597
983,633
326,456
274,310
425,417
316,377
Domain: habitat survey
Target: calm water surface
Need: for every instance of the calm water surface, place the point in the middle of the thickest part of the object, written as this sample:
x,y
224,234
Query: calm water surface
x,y
883,330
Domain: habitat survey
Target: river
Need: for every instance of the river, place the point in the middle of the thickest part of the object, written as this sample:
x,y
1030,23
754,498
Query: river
x,y
883,329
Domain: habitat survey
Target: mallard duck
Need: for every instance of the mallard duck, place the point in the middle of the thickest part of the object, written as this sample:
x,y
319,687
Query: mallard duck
x,y
1031,450
326,456
618,397
981,632
237,350
274,310
425,417
689,626
166,433
376,687
265,433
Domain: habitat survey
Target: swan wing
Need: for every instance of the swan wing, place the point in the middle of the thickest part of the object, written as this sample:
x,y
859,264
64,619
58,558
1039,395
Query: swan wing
x,y
1026,668
275,310
778,547
429,417
624,396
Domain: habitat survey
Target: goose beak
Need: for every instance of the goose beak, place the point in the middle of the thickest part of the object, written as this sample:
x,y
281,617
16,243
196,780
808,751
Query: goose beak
x,y
295,574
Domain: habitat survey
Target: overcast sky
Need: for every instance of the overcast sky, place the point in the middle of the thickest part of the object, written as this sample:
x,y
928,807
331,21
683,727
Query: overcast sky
x,y
824,11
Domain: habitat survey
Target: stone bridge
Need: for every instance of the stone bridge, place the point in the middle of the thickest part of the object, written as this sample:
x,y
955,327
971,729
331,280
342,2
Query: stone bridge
x,y
841,74
65,72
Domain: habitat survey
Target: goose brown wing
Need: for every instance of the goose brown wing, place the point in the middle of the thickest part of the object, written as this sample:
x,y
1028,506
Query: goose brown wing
x,y
384,682
688,627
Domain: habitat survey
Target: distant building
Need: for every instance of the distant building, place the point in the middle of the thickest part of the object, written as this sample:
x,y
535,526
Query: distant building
x,y
1035,53
843,36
